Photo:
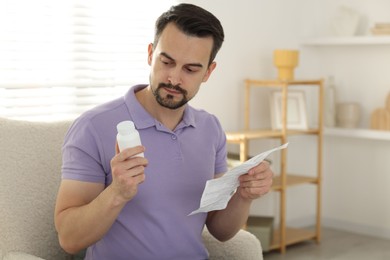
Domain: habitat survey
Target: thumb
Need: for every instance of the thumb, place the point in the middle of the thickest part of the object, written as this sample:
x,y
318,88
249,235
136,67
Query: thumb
x,y
116,148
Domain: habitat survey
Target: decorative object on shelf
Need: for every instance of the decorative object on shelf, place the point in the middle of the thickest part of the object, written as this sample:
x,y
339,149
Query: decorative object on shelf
x,y
330,103
345,22
381,29
348,114
262,227
286,61
296,110
380,117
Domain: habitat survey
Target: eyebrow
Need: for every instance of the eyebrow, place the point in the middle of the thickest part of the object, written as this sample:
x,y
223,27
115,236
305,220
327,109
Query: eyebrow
x,y
166,55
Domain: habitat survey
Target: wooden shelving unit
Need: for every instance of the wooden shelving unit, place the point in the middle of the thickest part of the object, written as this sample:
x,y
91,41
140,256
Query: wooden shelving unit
x,y
285,236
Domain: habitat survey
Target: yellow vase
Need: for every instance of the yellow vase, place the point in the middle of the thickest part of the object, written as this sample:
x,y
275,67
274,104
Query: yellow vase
x,y
286,61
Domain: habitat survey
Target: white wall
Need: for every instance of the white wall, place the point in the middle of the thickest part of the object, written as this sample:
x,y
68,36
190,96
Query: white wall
x,y
356,172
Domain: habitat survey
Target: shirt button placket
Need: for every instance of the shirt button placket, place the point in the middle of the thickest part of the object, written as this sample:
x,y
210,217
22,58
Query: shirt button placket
x,y
177,145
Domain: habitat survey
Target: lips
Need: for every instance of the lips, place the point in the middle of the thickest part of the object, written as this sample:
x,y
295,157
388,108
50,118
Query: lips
x,y
172,91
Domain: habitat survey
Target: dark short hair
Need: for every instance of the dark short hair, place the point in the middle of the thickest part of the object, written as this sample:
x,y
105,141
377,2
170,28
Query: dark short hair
x,y
194,21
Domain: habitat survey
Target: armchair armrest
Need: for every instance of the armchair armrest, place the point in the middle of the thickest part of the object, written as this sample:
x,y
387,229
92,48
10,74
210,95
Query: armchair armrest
x,y
243,246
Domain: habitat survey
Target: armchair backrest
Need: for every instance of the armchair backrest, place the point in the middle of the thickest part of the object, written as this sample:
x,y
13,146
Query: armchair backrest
x,y
30,171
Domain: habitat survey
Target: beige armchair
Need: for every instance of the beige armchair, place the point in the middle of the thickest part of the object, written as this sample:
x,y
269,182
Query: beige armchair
x,y
30,162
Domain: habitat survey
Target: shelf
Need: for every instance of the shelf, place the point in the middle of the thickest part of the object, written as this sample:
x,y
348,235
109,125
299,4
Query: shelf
x,y
353,40
358,133
293,236
280,83
239,136
292,180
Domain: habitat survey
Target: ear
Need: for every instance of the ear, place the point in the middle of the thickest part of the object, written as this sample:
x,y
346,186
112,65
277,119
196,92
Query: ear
x,y
150,53
209,70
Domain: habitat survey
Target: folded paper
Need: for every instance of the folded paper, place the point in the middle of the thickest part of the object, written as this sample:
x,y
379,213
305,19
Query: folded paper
x,y
217,192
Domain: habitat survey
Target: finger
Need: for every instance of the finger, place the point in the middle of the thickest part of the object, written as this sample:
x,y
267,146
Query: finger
x,y
130,167
140,178
254,193
129,178
133,151
256,176
139,173
263,166
132,163
257,184
266,185
116,148
129,153
259,179
136,171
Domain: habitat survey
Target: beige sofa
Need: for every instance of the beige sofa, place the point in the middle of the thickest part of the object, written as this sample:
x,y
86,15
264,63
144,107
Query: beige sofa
x,y
30,162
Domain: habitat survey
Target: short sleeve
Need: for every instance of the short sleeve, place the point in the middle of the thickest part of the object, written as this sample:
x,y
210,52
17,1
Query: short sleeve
x,y
81,156
221,150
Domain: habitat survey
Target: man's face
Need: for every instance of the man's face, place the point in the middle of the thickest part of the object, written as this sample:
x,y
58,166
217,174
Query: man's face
x,y
179,65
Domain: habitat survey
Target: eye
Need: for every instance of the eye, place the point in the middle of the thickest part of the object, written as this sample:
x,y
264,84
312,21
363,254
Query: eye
x,y
191,69
166,61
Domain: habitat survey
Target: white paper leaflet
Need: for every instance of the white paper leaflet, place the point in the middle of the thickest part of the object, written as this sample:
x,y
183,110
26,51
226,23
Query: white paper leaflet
x,y
217,192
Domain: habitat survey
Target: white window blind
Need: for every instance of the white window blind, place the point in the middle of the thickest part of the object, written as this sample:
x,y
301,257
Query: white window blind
x,y
59,58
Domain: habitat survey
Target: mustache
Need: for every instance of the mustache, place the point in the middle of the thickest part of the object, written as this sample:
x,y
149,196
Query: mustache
x,y
174,87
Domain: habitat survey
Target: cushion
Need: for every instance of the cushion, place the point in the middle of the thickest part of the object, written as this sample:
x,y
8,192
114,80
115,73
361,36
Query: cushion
x,y
30,171
243,246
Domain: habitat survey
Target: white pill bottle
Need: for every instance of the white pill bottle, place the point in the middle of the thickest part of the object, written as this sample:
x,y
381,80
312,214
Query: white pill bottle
x,y
128,136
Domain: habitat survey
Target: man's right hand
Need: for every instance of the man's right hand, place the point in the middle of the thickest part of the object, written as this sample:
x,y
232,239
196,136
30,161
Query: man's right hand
x,y
128,171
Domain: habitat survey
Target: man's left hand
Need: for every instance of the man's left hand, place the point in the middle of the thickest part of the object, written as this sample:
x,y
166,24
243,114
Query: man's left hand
x,y
256,182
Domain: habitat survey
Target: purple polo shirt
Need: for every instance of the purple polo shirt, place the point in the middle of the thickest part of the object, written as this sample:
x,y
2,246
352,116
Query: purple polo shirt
x,y
155,223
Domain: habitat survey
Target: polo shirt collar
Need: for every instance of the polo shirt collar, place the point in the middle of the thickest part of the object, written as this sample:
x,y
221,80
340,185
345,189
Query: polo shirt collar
x,y
142,119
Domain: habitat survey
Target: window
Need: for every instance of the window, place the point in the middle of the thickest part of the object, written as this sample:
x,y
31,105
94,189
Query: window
x,y
59,58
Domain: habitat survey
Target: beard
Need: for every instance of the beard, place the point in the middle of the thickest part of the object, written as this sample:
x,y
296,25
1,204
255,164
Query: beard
x,y
168,101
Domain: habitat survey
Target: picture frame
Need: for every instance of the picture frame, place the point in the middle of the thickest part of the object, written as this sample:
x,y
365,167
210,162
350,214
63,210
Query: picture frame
x,y
296,110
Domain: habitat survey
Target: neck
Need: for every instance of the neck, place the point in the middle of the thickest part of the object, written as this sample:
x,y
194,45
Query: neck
x,y
170,118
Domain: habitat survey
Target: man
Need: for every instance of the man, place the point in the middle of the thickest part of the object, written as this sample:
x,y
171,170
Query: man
x,y
122,206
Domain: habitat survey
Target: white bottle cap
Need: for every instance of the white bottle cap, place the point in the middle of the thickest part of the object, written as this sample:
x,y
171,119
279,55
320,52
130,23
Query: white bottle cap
x,y
125,126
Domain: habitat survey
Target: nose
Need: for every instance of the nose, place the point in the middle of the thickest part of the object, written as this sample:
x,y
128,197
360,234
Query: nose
x,y
174,76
